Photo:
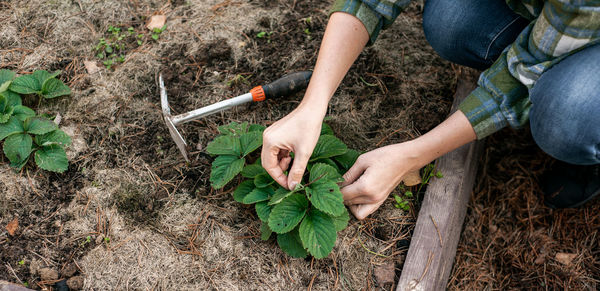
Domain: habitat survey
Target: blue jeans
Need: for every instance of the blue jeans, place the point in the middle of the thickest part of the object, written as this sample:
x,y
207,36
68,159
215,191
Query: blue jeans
x,y
565,114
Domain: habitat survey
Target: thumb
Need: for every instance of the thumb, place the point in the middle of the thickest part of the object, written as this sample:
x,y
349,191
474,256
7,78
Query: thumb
x,y
354,173
297,170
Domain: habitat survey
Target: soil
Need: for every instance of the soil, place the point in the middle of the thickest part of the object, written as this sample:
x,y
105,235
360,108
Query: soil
x,y
130,213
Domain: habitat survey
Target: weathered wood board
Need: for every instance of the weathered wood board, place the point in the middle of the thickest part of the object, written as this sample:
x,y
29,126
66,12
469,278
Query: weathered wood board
x,y
439,223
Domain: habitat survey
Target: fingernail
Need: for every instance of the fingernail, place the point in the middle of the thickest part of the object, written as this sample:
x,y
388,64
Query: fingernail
x,y
293,185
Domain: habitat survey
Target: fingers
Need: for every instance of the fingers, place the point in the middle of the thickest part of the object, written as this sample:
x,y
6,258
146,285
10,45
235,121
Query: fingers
x,y
361,211
355,172
284,163
352,186
297,170
270,161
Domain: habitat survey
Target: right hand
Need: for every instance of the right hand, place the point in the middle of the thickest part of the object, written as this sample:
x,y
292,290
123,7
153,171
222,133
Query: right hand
x,y
298,132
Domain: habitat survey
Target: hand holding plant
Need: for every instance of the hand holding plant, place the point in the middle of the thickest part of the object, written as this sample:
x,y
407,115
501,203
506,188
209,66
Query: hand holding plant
x,y
375,175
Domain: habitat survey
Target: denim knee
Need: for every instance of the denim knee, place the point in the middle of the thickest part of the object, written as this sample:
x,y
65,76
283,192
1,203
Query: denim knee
x,y
565,112
470,33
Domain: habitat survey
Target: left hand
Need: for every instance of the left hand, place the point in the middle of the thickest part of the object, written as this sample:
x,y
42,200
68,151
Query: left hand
x,y
375,175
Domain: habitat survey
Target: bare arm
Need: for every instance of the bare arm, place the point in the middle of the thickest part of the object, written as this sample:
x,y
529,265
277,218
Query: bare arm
x,y
377,173
298,132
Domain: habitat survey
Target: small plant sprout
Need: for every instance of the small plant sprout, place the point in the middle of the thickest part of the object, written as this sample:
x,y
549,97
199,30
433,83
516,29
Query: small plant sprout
x,y
157,31
21,262
238,79
266,35
306,219
87,240
112,48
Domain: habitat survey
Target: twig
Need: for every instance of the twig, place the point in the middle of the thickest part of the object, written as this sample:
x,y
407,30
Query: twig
x,y
438,231
14,274
427,266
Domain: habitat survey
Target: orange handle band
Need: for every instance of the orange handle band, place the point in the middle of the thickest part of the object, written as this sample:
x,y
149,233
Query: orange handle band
x,y
258,94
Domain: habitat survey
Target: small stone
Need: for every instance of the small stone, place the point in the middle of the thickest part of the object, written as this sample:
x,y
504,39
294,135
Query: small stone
x,y
565,258
156,22
69,271
385,273
47,274
99,239
91,67
75,283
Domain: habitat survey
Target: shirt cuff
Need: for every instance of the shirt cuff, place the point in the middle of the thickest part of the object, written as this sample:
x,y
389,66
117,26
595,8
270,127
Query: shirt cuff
x,y
372,21
483,113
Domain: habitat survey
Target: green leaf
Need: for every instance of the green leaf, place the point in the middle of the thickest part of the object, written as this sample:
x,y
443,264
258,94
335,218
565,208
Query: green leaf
x,y
257,127
327,161
258,195
287,214
42,76
341,221
52,158
348,159
291,244
57,136
17,148
26,84
5,116
12,126
328,146
242,190
53,88
225,145
263,210
263,180
234,128
13,98
224,169
251,171
39,125
250,141
23,112
280,194
324,173
326,129
265,231
317,233
6,76
326,197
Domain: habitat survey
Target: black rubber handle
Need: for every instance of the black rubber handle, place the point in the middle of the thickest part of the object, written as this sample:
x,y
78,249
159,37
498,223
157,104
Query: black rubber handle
x,y
288,84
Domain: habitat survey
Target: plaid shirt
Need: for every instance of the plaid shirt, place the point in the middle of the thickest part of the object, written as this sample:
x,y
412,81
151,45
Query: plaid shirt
x,y
558,29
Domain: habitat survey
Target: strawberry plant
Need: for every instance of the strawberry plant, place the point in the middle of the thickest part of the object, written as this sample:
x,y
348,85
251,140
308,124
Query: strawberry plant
x,y
24,132
306,219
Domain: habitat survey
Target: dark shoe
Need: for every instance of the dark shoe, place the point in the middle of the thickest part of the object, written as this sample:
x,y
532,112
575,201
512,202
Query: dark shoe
x,y
568,186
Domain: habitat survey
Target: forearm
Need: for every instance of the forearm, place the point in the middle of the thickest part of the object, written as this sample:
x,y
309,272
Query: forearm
x,y
344,39
449,135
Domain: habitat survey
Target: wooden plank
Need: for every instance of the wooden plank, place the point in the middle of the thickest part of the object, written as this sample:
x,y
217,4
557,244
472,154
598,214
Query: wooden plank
x,y
439,223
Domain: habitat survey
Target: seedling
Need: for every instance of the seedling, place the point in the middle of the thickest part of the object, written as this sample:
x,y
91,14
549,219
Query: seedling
x,y
402,201
21,262
238,79
307,32
87,240
112,48
157,31
23,131
264,34
306,219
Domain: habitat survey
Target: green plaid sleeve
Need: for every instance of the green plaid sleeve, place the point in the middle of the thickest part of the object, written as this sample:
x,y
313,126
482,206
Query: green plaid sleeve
x,y
562,28
375,15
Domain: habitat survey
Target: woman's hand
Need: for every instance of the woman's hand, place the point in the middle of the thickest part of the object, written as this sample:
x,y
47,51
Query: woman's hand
x,y
375,175
297,132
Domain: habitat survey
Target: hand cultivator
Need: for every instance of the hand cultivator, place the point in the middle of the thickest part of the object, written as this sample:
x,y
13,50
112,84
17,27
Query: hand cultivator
x,y
286,85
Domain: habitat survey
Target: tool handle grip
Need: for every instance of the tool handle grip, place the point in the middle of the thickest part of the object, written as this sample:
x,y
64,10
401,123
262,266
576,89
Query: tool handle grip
x,y
284,86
